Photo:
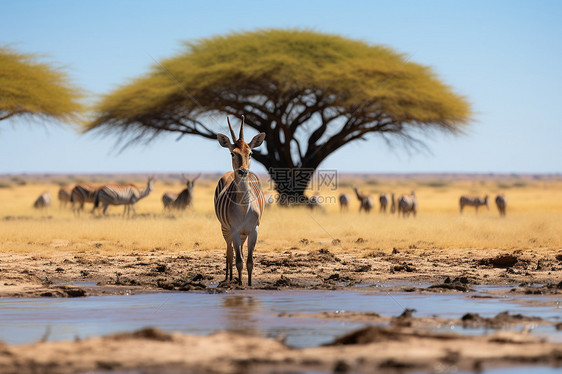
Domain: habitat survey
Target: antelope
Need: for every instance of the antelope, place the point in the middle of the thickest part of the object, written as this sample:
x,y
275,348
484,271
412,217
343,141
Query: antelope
x,y
408,204
383,199
392,204
43,201
239,201
182,200
473,201
501,203
365,201
122,194
64,196
80,194
344,202
168,198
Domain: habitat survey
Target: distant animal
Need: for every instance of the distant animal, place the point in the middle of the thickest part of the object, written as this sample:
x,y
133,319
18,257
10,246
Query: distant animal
x,y
43,201
239,202
474,201
392,204
344,202
182,200
122,194
167,199
82,193
366,204
64,196
315,202
408,204
501,203
383,200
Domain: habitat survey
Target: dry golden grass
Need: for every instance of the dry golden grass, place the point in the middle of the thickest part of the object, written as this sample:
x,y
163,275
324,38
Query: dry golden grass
x,y
534,220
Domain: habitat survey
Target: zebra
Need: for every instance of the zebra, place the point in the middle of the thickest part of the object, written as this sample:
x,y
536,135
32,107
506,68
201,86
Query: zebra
x,y
43,201
64,196
122,194
501,203
474,201
82,193
344,202
365,201
383,199
392,204
408,204
182,200
239,202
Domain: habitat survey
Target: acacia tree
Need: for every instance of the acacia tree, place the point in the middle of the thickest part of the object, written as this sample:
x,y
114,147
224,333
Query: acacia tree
x,y
311,93
29,88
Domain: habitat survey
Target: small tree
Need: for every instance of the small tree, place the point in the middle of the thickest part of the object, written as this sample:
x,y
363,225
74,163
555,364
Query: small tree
x,y
311,93
33,89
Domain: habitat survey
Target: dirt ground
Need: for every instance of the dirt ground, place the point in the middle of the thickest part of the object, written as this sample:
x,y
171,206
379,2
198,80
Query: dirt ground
x,y
394,349
374,349
529,271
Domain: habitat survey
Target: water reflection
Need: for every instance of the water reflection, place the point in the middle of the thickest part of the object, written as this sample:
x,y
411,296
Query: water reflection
x,y
249,311
241,314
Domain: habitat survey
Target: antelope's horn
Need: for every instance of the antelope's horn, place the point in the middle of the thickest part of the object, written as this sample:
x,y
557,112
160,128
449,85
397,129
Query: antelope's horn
x,y
231,130
242,129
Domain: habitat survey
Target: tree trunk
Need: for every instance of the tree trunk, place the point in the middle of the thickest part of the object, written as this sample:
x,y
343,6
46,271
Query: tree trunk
x,y
291,184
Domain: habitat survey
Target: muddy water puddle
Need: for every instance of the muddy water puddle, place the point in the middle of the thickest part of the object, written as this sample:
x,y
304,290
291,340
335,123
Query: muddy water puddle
x,y
252,311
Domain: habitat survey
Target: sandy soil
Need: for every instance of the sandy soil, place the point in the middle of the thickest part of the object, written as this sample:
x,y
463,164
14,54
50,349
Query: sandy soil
x,y
530,271
373,349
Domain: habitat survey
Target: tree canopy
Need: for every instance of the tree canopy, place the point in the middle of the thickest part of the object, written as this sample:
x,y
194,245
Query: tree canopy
x,y
311,93
32,88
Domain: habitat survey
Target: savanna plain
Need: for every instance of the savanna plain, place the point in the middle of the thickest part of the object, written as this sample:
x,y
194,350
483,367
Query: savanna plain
x,y
53,253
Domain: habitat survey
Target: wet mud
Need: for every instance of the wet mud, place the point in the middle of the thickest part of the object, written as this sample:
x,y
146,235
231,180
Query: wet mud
x,y
529,272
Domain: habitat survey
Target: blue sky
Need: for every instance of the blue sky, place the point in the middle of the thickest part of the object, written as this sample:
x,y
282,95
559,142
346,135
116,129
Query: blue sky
x,y
504,56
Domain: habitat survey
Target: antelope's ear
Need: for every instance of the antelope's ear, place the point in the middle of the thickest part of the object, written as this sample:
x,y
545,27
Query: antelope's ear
x,y
257,140
224,141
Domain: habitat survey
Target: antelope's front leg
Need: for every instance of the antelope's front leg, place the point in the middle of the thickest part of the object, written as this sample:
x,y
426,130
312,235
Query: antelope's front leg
x,y
252,239
229,257
237,242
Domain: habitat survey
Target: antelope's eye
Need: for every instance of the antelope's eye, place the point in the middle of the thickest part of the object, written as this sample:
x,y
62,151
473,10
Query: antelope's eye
x,y
250,154
232,154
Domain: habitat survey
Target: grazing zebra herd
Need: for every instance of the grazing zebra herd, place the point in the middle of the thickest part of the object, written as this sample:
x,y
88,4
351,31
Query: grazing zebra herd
x,y
408,204
129,194
100,196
